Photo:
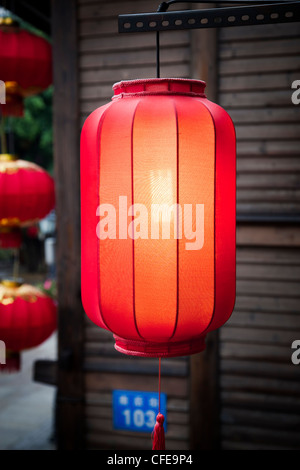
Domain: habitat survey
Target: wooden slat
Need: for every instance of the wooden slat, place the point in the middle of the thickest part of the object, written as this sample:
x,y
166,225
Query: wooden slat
x,y
274,288
271,420
287,236
110,76
270,148
254,99
264,320
98,27
260,65
259,81
275,438
246,445
124,442
282,131
240,350
253,207
113,9
268,272
259,32
105,426
174,386
263,181
262,368
257,336
273,256
273,386
258,165
124,43
267,304
147,57
260,401
134,365
275,197
266,48
93,332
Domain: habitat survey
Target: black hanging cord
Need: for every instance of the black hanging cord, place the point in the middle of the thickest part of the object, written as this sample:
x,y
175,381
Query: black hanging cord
x,y
157,56
160,8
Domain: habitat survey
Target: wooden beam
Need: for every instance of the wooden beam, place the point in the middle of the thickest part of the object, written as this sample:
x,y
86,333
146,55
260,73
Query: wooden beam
x,y
70,385
204,414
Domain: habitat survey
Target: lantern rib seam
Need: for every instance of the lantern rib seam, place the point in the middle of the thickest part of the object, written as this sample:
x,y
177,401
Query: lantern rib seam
x,y
215,174
177,201
99,130
100,125
132,201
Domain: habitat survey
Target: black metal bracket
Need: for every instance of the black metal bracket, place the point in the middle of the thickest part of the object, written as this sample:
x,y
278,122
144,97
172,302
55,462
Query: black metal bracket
x,y
267,13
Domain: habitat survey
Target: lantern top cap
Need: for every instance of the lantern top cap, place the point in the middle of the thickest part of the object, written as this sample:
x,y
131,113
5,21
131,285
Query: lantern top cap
x,y
159,86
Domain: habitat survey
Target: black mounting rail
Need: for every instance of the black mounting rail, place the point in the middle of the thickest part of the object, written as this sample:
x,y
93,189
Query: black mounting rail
x,y
271,13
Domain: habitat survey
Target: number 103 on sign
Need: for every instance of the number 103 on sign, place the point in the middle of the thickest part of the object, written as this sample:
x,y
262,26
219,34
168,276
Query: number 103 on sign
x,y
136,411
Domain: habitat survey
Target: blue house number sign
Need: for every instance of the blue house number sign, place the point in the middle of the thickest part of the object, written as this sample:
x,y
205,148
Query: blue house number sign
x,y
136,411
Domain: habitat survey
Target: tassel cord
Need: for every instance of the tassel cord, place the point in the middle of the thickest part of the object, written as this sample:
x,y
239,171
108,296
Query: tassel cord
x,y
158,434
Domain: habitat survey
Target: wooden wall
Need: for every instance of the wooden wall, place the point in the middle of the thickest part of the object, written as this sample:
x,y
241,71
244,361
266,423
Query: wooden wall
x,y
257,65
258,384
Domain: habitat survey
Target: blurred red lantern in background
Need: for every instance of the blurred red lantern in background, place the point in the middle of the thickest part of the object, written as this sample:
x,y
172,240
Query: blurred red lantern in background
x,y
26,192
27,319
25,59
159,145
14,105
10,237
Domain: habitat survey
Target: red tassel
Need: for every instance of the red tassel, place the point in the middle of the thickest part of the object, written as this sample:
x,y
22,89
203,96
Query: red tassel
x,y
158,434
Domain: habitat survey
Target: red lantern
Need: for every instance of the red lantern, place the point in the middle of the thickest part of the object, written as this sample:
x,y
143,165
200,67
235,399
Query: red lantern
x,y
158,216
27,319
26,192
25,58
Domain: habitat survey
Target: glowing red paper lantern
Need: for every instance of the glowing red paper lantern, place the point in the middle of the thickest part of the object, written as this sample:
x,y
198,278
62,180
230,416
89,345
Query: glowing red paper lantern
x,y
27,319
25,58
158,216
26,192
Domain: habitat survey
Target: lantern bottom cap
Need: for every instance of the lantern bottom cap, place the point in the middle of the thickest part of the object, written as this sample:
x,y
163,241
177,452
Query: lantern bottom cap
x,y
152,349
